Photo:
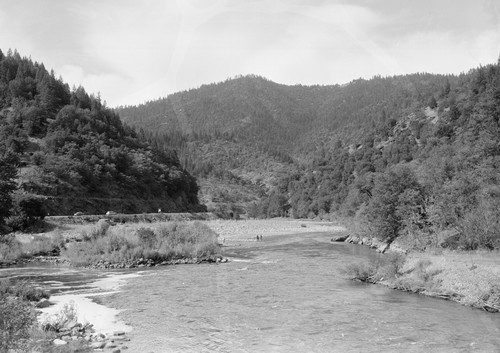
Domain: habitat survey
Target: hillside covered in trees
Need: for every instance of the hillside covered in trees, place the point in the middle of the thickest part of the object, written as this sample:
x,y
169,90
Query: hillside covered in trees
x,y
62,151
413,155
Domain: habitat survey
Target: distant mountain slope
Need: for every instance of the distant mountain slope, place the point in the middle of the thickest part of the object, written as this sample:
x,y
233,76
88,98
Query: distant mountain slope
x,y
76,154
283,117
276,124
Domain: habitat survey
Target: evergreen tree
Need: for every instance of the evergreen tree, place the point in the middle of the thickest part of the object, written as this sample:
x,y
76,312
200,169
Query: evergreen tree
x,y
8,172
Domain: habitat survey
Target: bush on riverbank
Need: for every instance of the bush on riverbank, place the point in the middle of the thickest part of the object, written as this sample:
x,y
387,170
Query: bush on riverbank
x,y
12,250
470,278
22,290
160,242
19,327
17,317
385,267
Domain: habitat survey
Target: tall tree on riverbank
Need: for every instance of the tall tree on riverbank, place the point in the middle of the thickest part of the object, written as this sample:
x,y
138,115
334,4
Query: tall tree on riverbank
x,y
8,172
75,154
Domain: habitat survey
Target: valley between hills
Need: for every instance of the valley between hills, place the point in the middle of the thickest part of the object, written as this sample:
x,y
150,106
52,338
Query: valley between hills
x,y
407,165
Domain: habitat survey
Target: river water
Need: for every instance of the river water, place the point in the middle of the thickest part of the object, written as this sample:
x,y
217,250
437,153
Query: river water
x,y
288,294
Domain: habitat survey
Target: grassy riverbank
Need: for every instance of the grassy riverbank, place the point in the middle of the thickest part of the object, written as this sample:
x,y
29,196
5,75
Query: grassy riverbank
x,y
470,278
115,245
142,244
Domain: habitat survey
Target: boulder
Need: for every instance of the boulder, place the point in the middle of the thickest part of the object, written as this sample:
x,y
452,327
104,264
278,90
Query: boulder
x,y
339,237
44,303
382,247
59,342
398,248
98,345
354,239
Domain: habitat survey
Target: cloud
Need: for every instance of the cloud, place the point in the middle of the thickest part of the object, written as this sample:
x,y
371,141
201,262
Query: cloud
x,y
137,50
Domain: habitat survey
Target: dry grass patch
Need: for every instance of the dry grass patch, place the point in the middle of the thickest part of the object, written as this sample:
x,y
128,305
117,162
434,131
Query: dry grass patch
x,y
158,242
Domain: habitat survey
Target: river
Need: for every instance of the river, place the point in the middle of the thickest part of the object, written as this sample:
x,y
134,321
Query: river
x,y
288,294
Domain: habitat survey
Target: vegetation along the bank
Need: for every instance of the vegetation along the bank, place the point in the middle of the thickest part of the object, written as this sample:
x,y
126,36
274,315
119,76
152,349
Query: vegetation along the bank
x,y
413,160
63,151
144,245
471,279
21,331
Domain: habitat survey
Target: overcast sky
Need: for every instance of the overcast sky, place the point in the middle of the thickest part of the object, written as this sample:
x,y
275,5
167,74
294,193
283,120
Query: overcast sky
x,y
132,51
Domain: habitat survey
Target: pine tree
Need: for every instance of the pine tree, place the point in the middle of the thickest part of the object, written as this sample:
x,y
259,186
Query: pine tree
x,y
8,171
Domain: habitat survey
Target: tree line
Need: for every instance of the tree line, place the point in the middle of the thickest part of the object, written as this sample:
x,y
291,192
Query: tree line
x,y
63,150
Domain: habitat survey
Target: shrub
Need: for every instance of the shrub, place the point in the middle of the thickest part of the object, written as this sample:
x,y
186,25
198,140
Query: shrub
x,y
98,230
65,318
17,320
22,290
146,237
27,211
43,246
364,271
420,278
17,316
10,248
166,242
385,267
480,228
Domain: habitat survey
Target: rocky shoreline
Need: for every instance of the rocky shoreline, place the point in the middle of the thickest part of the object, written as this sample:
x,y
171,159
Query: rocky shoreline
x,y
56,260
373,243
151,263
114,343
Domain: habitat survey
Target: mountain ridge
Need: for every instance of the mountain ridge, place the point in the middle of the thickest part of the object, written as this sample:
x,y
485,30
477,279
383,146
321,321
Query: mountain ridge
x,y
288,122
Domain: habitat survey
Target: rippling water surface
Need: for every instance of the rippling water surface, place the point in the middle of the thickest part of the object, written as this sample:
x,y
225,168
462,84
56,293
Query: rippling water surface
x,y
284,294
287,294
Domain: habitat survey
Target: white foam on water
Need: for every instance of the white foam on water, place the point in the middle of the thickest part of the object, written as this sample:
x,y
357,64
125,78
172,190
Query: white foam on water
x,y
103,318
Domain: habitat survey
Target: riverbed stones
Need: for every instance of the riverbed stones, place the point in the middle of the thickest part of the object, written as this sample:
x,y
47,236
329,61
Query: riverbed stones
x,y
366,241
339,237
59,342
98,345
44,303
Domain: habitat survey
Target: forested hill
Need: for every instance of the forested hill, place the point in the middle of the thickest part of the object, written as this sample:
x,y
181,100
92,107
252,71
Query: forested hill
x,y
417,156
288,119
239,137
71,153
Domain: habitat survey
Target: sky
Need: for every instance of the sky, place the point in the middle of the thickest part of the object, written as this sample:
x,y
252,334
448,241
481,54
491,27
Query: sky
x,y
133,51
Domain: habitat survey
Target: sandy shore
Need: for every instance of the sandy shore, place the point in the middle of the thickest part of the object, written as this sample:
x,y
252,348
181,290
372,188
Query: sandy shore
x,y
247,230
